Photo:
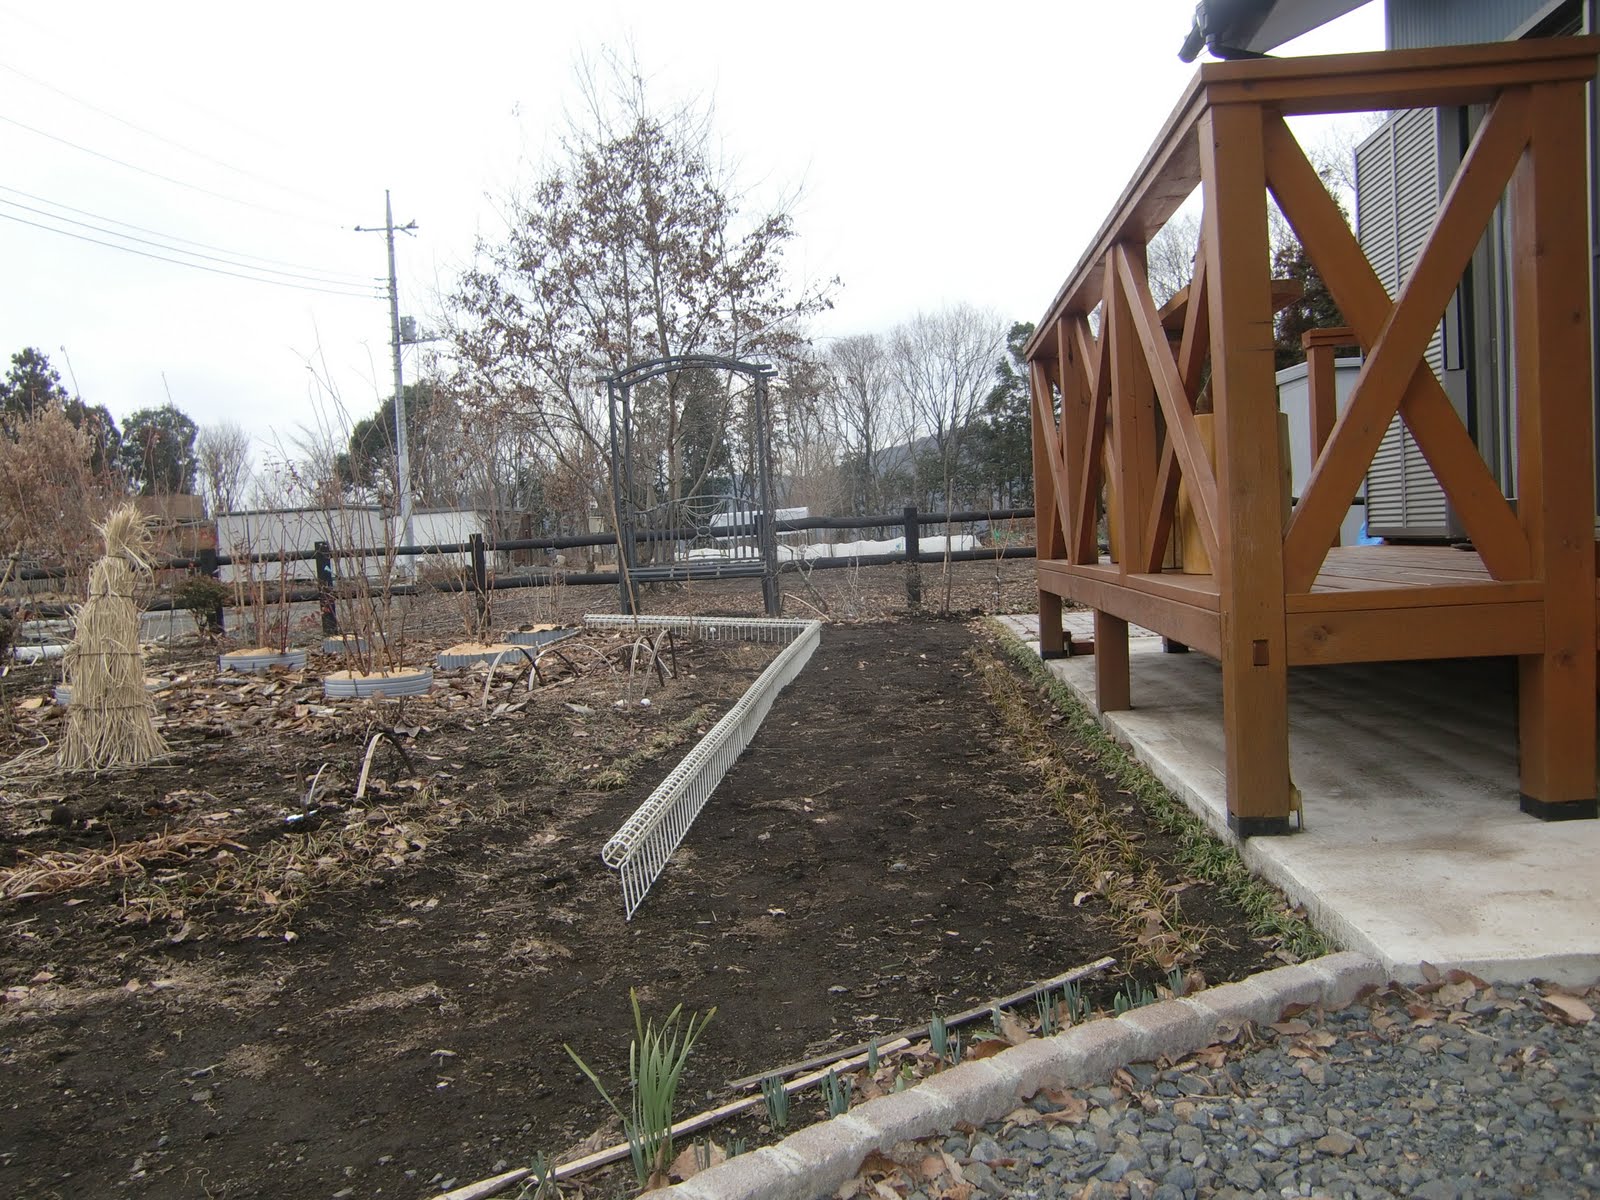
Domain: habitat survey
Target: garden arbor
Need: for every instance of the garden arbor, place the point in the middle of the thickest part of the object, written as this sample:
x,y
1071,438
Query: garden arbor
x,y
753,494
1115,429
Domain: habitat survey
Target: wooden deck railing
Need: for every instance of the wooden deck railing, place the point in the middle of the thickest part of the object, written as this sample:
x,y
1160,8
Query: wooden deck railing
x,y
1115,429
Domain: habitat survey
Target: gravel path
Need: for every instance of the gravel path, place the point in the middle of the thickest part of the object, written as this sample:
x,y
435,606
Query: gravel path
x,y
1462,1093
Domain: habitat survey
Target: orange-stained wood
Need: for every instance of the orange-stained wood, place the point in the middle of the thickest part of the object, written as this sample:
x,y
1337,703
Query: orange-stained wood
x,y
1113,688
1255,682
1394,634
1182,435
1133,409
1050,477
1556,692
1395,376
1086,503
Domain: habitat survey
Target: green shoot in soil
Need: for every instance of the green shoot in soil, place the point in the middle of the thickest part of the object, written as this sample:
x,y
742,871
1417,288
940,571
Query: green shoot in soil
x,y
656,1059
837,1090
772,1091
938,1037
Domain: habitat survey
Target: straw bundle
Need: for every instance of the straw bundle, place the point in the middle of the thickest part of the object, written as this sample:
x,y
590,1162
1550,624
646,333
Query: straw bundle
x,y
111,721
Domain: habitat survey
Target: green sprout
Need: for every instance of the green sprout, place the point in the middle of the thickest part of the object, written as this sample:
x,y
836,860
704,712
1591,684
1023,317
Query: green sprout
x,y
656,1059
1049,1016
837,1091
938,1037
777,1098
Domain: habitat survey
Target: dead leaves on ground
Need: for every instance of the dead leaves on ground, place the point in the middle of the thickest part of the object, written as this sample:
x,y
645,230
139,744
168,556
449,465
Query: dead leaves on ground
x,y
908,1167
54,871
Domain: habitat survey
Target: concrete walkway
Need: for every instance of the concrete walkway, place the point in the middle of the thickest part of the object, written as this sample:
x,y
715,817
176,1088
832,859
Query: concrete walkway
x,y
1414,848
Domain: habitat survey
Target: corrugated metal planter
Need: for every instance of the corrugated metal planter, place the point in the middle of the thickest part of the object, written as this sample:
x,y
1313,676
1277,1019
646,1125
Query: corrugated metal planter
x,y
255,660
63,691
378,685
470,654
538,635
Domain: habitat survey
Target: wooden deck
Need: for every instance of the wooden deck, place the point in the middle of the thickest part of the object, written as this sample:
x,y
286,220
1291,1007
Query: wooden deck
x,y
1368,604
1135,405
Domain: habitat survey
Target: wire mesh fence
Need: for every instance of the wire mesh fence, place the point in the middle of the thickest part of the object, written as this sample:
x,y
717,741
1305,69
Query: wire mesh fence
x,y
640,850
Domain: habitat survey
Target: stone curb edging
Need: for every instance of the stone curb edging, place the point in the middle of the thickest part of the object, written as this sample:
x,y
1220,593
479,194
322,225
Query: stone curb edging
x,y
814,1162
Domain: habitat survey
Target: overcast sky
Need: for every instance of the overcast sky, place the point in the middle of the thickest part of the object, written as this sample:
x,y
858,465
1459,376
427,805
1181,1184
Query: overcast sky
x,y
941,153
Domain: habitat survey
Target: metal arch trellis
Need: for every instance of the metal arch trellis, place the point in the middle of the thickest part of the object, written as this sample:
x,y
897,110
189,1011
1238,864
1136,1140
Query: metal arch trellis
x,y
619,411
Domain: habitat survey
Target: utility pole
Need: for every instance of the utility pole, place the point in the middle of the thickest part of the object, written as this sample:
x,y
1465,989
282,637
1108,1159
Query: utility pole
x,y
402,449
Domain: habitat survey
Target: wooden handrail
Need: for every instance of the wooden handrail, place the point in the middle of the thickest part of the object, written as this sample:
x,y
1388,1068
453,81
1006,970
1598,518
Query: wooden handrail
x,y
1170,171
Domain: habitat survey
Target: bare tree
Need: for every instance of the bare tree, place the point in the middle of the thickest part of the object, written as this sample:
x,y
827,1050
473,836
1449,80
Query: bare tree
x,y
1170,255
222,453
868,413
51,497
946,365
632,246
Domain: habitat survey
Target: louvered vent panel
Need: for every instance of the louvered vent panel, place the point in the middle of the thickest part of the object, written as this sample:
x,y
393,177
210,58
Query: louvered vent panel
x,y
1397,182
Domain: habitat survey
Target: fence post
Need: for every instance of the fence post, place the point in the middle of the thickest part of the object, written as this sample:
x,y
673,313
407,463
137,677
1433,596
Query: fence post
x,y
913,558
325,601
207,559
480,574
766,541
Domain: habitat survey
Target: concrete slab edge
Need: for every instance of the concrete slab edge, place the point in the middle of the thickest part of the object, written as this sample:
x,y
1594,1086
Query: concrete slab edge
x,y
815,1161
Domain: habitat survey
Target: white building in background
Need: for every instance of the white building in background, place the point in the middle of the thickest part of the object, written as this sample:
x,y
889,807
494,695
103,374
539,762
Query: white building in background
x,y
265,533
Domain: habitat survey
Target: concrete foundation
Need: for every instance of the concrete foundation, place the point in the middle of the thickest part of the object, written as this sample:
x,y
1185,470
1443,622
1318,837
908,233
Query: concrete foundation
x,y
1414,848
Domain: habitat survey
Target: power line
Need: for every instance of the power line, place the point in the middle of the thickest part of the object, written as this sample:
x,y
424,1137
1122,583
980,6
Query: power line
x,y
150,133
194,266
194,187
352,276
175,249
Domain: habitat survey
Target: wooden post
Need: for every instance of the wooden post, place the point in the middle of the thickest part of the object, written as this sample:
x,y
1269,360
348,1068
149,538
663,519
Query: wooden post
x,y
913,558
1113,690
207,560
1322,385
1052,638
1255,681
1047,517
325,598
1555,450
480,573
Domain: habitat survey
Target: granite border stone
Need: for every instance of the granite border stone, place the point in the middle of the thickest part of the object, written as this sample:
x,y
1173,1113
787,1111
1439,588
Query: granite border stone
x,y
813,1162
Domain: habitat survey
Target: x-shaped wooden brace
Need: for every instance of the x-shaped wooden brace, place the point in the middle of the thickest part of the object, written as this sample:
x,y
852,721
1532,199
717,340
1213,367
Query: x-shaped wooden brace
x,y
1396,377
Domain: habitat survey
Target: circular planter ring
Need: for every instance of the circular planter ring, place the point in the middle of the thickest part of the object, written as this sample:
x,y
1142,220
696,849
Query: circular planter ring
x,y
538,635
254,661
63,691
380,685
470,654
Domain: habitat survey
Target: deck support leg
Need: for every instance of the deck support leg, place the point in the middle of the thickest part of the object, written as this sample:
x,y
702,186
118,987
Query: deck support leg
x,y
1113,688
1556,689
1255,677
1052,642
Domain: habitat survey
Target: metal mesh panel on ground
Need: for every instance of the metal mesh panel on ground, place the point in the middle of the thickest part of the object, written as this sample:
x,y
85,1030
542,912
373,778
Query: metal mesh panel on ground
x,y
639,851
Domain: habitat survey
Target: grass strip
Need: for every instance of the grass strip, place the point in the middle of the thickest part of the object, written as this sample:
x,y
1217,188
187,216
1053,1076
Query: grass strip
x,y
1201,853
1106,856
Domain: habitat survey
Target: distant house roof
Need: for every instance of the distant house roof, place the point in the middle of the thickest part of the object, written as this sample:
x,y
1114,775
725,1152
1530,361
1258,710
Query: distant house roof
x,y
1243,28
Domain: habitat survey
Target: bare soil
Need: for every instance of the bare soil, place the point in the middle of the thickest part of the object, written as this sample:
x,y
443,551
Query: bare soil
x,y
376,997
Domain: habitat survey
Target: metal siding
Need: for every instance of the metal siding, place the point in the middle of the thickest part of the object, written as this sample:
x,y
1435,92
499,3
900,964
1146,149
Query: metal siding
x,y
1398,191
1412,24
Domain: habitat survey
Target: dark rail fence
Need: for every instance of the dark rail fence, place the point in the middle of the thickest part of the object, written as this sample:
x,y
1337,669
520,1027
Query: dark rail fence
x,y
480,580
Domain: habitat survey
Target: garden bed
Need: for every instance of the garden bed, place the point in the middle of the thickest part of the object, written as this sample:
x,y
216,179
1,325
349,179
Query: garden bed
x,y
382,1006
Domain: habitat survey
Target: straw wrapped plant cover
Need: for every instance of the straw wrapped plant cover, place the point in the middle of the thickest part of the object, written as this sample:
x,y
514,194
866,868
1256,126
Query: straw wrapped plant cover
x,y
111,721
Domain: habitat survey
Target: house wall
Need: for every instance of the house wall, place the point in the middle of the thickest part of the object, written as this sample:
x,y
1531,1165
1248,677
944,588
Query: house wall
x,y
1412,24
1478,375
